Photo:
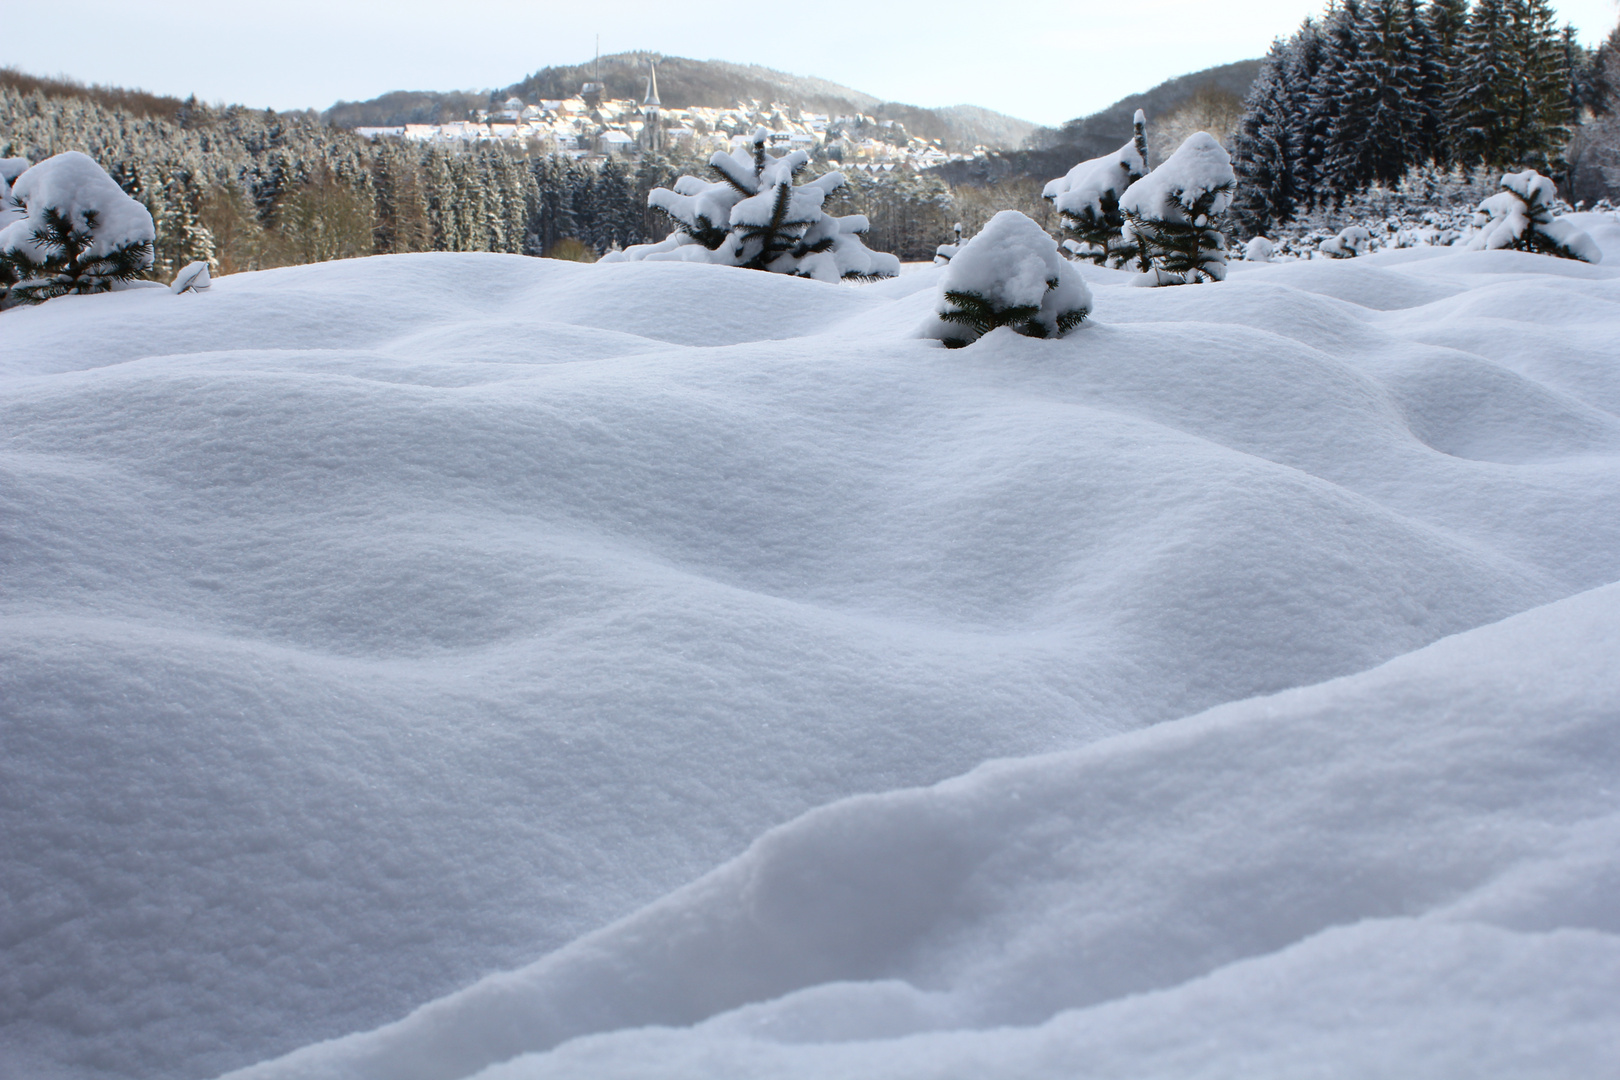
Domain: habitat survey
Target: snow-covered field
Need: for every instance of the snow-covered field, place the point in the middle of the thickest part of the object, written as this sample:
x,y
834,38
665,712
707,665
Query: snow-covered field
x,y
570,650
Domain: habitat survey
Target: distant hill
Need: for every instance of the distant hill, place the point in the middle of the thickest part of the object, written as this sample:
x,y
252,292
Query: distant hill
x,y
136,102
1051,152
683,83
406,107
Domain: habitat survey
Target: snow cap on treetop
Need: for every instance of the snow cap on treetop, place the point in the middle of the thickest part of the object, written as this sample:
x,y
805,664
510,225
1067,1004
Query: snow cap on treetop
x,y
1198,166
76,187
1013,263
1010,262
1082,191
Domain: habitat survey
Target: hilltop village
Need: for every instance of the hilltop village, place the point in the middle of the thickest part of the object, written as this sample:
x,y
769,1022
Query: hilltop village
x,y
591,125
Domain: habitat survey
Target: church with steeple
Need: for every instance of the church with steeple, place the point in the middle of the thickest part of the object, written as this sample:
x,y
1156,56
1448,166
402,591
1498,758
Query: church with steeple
x,y
652,124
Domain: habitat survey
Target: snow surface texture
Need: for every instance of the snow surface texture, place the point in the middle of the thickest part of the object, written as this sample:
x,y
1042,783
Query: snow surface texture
x,y
375,626
1011,264
1340,881
79,189
1521,216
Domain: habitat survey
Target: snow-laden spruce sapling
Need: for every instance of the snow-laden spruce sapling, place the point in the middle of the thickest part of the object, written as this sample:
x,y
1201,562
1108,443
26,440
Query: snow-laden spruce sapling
x,y
1174,214
1087,200
1520,218
755,215
1010,274
1352,240
1259,249
78,233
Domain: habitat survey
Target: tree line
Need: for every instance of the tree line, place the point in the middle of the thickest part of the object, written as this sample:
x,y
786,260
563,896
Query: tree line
x,y
247,189
1377,88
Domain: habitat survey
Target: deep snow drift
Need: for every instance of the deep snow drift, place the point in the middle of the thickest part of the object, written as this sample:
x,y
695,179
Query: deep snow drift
x,y
372,627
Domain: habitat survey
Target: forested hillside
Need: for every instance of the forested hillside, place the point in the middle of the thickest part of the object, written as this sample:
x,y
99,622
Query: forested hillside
x,y
248,189
1051,151
685,83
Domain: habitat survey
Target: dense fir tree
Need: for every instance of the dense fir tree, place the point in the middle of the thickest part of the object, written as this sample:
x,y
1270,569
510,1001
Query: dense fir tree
x,y
1446,22
1481,97
1376,132
617,217
1262,153
1428,88
1307,66
1542,114
1327,96
1380,88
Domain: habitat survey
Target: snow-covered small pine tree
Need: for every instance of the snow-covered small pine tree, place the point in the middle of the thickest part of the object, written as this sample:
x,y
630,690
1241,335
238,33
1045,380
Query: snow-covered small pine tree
x,y
1087,199
1259,249
1352,240
1175,213
1010,274
80,233
1520,218
756,216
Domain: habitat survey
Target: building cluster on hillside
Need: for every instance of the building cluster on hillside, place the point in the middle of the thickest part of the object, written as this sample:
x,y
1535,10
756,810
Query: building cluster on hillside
x,y
590,125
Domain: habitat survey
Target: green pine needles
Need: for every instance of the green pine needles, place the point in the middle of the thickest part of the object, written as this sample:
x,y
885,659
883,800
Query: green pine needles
x,y
66,266
1175,214
978,315
1193,249
1011,274
1087,201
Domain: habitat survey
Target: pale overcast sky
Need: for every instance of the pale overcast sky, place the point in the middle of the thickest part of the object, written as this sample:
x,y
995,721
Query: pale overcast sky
x,y
1043,60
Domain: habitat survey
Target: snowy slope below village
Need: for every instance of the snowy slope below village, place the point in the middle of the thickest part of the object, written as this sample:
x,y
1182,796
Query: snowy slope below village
x,y
372,627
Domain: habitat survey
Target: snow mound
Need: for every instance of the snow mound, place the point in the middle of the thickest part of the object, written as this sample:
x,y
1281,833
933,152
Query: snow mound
x,y
375,626
1342,879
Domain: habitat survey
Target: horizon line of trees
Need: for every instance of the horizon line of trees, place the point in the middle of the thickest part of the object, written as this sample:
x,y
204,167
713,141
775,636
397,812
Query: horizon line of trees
x,y
1375,89
246,189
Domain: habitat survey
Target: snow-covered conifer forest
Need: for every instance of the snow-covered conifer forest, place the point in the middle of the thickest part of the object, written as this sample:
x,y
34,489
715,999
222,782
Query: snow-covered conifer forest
x,y
453,664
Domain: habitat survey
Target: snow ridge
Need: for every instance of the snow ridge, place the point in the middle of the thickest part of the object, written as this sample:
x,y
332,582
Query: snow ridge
x,y
372,627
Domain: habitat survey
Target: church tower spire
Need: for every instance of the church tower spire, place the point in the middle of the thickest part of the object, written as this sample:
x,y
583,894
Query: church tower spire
x,y
652,126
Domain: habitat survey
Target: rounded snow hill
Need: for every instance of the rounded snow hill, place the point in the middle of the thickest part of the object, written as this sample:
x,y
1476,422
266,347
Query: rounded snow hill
x,y
374,626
